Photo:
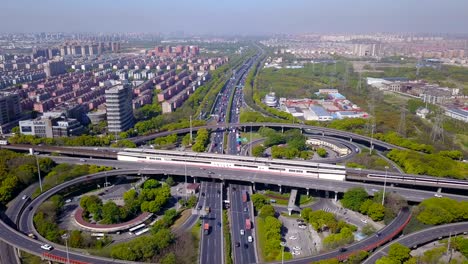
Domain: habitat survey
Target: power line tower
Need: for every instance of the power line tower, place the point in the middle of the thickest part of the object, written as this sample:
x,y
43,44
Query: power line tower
x,y
345,77
402,124
359,84
437,129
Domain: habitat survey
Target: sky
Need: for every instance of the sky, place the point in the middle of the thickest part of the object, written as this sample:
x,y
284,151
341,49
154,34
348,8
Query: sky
x,y
245,17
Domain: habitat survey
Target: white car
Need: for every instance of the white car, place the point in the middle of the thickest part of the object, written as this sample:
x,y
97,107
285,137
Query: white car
x,y
293,237
47,247
296,248
438,195
250,239
296,253
364,221
24,197
242,232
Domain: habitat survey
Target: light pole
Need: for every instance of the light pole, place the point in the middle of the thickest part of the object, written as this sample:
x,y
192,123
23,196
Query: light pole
x,y
384,185
185,166
65,237
251,154
283,244
39,172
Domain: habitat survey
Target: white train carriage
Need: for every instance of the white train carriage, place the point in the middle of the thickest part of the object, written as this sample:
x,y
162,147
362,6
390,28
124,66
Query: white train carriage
x,y
298,168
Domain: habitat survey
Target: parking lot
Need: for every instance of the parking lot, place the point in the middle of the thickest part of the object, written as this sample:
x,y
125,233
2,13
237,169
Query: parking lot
x,y
300,241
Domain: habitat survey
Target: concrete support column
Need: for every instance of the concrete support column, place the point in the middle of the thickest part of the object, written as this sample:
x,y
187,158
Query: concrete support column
x,y
439,190
289,211
253,187
280,190
336,196
307,191
327,194
350,139
302,131
194,179
18,252
282,129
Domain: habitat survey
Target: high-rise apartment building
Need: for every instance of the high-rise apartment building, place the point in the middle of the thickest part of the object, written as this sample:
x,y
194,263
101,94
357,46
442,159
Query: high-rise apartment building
x,y
53,68
119,108
10,107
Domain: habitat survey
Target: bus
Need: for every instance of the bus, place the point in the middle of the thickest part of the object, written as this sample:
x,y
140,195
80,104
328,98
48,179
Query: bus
x,y
97,234
142,231
131,230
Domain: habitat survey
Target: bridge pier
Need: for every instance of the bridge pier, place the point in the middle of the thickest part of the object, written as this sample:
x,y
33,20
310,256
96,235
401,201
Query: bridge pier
x,y
350,139
327,194
282,129
336,196
18,252
307,191
439,190
280,190
253,186
194,179
290,211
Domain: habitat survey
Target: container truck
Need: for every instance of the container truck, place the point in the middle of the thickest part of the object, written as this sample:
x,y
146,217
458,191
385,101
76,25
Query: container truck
x,y
248,224
206,228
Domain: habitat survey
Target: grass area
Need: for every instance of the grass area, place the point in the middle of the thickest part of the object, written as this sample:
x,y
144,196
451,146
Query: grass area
x,y
196,230
304,199
184,215
283,198
294,215
27,258
366,161
246,135
227,239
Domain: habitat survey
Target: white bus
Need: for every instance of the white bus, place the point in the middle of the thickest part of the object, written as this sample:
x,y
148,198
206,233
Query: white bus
x,y
131,230
97,234
142,231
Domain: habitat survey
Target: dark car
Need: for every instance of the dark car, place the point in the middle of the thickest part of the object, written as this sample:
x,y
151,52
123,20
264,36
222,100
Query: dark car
x,y
234,188
202,194
246,245
237,244
378,234
199,207
342,250
30,208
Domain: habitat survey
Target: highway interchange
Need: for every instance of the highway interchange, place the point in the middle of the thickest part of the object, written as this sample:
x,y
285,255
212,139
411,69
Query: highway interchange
x,y
212,249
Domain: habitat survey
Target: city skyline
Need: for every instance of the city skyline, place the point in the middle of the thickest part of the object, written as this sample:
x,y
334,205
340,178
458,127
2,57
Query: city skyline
x,y
234,18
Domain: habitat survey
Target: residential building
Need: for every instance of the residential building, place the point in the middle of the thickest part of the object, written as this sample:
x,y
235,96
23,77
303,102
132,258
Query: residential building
x,y
119,108
54,68
10,107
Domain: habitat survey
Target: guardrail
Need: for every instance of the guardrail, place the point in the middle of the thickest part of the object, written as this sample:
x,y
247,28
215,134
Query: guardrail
x,y
52,257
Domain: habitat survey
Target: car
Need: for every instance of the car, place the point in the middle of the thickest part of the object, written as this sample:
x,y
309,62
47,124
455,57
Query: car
x,y
202,194
242,232
293,237
302,226
296,253
245,209
82,160
364,221
296,248
250,239
30,208
199,207
47,247
246,245
378,234
68,201
299,220
438,195
234,188
24,197
342,249
31,235
219,224
237,244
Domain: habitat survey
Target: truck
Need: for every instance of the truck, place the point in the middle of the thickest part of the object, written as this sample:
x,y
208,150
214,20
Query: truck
x,y
3,142
244,196
206,228
248,224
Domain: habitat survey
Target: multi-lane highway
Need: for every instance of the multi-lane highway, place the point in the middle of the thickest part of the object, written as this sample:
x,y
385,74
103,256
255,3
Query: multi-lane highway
x,y
243,251
211,244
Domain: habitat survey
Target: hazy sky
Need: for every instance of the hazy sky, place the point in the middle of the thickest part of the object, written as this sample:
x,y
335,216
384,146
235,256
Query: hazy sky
x,y
235,16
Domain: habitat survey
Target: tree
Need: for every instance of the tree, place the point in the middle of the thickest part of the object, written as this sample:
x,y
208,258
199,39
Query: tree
x,y
368,230
354,198
376,211
267,210
399,252
258,200
151,184
169,258
258,151
75,239
322,152
110,213
170,181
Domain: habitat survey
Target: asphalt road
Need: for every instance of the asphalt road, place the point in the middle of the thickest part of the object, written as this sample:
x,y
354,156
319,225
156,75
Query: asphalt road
x,y
420,238
212,249
240,211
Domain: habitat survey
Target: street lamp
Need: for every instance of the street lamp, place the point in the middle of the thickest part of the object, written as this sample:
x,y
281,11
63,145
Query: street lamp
x,y
283,244
385,185
185,165
65,237
251,154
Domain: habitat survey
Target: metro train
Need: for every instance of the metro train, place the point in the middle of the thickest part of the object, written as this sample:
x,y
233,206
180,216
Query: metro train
x,y
420,179
282,167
